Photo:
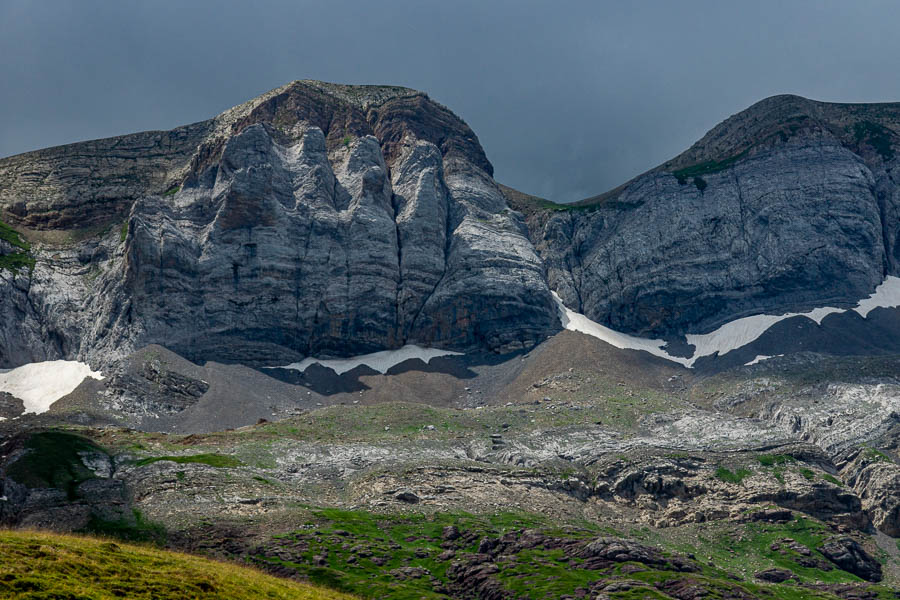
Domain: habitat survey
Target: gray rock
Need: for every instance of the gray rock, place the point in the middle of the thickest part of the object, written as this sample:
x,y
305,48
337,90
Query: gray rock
x,y
278,236
774,575
407,496
788,208
848,555
877,482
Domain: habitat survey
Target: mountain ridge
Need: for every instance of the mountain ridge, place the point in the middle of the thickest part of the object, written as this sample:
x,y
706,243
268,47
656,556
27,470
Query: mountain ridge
x,y
790,206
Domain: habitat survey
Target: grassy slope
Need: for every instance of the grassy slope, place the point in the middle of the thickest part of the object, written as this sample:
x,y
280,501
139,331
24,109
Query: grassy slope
x,y
414,540
46,565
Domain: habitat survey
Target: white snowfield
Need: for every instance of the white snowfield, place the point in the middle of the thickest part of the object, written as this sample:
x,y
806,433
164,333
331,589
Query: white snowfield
x,y
379,361
730,336
41,384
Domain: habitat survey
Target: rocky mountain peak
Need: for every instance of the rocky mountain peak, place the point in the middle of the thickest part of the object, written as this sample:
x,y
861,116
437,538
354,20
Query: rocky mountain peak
x,y
316,219
778,119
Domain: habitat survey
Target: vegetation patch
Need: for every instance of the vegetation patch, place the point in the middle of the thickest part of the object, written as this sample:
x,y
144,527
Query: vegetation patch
x,y
14,261
172,190
397,556
43,565
136,529
11,236
747,548
877,136
706,168
729,476
221,461
809,474
52,460
873,455
770,460
833,479
408,557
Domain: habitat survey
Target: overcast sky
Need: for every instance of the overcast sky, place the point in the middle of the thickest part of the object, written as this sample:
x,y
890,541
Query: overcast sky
x,y
568,99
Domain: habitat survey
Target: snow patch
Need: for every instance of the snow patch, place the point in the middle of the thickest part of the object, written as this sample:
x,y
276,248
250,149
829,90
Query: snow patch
x,y
574,321
39,385
730,336
759,358
887,295
379,361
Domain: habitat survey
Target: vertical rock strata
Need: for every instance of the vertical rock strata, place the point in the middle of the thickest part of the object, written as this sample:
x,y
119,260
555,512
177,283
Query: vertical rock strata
x,y
321,219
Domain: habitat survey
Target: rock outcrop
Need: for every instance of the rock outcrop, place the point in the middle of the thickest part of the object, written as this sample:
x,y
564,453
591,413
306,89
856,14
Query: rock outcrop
x,y
785,207
315,220
876,479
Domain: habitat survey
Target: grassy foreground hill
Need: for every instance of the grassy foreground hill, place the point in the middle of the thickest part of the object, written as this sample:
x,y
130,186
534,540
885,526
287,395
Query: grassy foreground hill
x,y
47,565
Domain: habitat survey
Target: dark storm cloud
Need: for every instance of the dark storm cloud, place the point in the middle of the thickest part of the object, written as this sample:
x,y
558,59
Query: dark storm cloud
x,y
568,98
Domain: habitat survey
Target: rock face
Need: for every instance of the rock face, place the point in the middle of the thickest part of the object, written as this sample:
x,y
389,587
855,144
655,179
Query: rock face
x,y
323,219
315,220
786,206
877,481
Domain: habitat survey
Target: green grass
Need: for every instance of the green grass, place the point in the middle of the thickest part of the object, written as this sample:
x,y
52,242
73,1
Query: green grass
x,y
38,565
11,236
873,455
15,261
413,540
809,474
744,549
346,140
832,479
706,168
221,461
123,231
729,476
172,191
52,460
770,460
541,573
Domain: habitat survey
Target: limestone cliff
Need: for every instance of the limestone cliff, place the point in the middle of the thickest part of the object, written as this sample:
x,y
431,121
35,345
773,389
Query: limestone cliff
x,y
316,219
789,205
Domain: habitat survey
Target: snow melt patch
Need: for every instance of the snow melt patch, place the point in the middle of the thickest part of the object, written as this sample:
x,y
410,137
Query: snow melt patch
x,y
378,361
887,295
39,385
759,358
574,321
730,336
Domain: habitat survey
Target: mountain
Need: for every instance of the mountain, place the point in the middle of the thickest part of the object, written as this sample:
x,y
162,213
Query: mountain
x,y
334,220
315,219
787,206
315,336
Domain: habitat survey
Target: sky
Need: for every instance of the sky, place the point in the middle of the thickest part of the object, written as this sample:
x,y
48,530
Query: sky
x,y
568,98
